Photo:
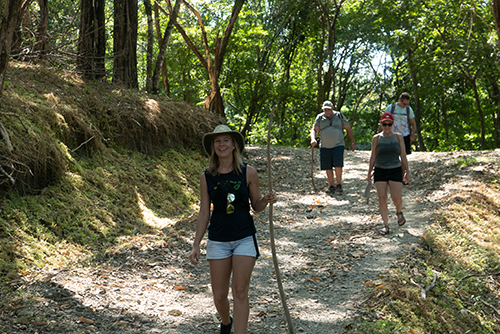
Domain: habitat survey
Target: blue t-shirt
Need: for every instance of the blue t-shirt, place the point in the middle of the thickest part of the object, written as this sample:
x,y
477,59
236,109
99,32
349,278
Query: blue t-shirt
x,y
226,226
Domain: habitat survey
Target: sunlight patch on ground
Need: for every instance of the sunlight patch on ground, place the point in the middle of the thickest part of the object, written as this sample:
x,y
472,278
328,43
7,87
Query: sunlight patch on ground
x,y
150,217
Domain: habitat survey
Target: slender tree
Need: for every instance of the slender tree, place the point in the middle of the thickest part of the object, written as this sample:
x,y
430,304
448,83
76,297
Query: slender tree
x,y
10,13
212,63
149,50
163,45
91,40
125,43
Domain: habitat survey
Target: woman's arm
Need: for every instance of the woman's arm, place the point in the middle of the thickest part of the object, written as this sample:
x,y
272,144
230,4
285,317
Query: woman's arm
x,y
258,201
202,222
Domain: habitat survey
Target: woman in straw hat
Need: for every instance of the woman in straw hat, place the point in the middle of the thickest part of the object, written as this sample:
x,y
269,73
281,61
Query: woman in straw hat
x,y
391,168
231,186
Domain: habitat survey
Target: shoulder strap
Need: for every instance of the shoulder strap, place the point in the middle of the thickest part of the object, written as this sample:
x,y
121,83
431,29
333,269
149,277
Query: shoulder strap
x,y
408,114
393,107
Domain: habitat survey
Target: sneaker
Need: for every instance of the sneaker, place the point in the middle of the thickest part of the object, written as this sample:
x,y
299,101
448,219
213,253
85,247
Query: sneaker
x,y
331,190
339,189
226,329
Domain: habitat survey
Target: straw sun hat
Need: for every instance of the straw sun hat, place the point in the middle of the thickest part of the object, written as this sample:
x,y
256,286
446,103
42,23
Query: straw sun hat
x,y
222,129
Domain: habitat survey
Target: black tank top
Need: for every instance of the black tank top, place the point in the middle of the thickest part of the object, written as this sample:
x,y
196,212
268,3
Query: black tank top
x,y
226,226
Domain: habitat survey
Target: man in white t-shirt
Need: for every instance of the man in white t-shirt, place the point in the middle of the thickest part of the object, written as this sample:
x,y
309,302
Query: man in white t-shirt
x,y
404,120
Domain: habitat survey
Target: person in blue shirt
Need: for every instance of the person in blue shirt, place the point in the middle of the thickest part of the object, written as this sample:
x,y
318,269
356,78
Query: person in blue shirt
x,y
232,187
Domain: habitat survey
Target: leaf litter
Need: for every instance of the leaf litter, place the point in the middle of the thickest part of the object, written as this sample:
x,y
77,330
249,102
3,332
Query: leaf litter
x,y
329,251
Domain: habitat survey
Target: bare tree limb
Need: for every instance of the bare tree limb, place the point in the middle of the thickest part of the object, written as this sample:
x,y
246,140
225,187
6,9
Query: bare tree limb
x,y
425,291
11,179
5,136
477,275
85,142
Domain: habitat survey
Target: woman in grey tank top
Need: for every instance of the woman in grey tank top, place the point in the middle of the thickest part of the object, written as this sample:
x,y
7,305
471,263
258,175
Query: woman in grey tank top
x,y
390,167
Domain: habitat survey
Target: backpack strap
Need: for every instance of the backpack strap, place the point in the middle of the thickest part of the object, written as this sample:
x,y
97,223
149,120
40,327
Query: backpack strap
x,y
393,107
408,115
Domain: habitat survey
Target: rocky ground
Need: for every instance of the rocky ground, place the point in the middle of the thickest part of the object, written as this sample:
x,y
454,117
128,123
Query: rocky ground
x,y
329,251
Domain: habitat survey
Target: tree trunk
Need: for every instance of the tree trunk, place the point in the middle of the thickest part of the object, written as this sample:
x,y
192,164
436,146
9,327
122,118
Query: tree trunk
x,y
125,43
17,37
481,115
41,32
160,61
164,75
495,6
91,40
472,79
416,95
149,48
445,116
214,101
11,11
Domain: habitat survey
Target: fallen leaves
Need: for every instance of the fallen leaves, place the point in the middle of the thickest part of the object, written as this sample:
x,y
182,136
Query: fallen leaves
x,y
87,321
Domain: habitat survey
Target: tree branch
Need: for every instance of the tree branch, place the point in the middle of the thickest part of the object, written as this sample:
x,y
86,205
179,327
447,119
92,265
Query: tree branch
x,y
11,179
5,136
425,291
476,275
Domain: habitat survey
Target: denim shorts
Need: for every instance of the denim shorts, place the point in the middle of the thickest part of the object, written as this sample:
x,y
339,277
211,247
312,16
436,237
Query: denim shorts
x,y
331,157
217,250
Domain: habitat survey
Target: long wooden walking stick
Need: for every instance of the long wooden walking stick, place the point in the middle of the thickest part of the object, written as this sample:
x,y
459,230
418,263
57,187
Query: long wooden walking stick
x,y
312,168
271,232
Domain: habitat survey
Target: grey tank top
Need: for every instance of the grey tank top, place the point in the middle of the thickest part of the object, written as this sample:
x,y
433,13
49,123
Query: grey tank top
x,y
388,152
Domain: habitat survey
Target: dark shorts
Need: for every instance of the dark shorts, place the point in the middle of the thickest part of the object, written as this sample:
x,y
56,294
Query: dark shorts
x,y
407,144
391,174
331,157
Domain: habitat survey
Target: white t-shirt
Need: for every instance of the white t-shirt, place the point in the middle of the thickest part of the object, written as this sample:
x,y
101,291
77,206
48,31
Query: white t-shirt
x,y
401,120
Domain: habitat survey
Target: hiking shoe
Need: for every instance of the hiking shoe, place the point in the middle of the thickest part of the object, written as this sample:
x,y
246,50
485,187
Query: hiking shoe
x,y
339,189
331,190
226,329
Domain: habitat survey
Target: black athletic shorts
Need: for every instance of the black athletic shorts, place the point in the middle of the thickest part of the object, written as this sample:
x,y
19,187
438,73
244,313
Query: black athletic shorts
x,y
391,174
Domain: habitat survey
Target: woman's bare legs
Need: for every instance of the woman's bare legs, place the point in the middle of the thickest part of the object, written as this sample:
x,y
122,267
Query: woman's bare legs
x,y
220,273
382,201
396,194
242,272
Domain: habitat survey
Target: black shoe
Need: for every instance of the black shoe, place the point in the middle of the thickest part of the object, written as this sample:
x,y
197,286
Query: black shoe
x,y
339,189
226,329
331,190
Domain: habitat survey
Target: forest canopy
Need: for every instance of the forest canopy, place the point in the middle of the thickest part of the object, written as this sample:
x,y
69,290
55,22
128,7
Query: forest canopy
x,y
241,59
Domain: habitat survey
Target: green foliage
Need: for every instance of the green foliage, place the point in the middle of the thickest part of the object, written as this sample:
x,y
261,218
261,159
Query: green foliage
x,y
431,49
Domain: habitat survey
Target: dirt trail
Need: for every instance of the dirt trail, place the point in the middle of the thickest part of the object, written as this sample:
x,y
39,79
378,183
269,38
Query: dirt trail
x,y
328,248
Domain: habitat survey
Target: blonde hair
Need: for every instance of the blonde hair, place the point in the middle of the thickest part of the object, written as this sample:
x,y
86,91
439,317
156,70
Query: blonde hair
x,y
213,163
